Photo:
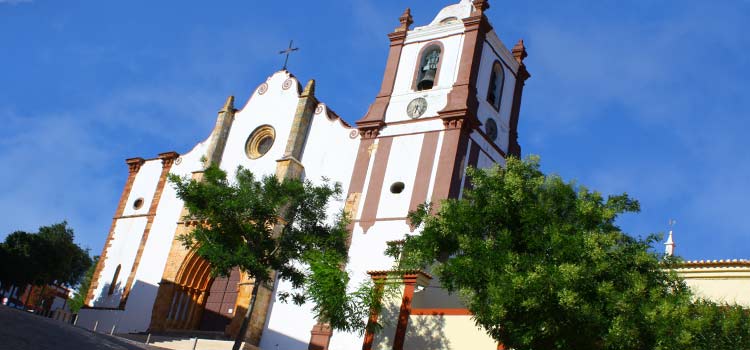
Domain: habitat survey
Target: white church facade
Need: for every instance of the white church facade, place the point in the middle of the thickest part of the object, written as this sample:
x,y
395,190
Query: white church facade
x,y
450,98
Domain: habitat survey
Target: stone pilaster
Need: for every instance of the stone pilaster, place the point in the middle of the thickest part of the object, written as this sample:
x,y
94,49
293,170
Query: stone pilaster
x,y
289,166
220,133
519,52
371,123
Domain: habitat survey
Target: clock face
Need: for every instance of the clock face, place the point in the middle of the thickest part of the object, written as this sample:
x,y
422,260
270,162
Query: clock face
x,y
416,107
491,129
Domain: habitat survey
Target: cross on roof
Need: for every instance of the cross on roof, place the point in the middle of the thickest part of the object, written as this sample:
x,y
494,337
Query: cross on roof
x,y
288,51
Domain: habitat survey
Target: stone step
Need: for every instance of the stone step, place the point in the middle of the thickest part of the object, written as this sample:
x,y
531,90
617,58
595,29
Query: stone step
x,y
175,342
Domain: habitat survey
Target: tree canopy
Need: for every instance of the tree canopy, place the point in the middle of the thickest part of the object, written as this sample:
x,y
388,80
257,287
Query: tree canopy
x,y
542,264
275,229
49,256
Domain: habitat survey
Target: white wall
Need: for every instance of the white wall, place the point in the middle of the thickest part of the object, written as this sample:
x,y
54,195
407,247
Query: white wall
x,y
446,333
329,152
144,187
125,243
276,107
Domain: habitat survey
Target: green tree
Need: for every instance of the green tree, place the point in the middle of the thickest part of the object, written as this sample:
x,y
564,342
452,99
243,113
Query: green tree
x,y
541,264
49,256
18,259
61,260
79,297
275,229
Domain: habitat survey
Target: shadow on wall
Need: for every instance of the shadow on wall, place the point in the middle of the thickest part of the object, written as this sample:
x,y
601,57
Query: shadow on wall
x,y
105,312
109,297
424,333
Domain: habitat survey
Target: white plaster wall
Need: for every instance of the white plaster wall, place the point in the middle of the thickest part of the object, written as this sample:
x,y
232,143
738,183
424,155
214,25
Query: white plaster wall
x,y
434,124
288,325
486,148
485,162
125,243
367,254
486,110
329,152
137,315
435,297
720,285
402,166
446,333
103,319
276,107
144,187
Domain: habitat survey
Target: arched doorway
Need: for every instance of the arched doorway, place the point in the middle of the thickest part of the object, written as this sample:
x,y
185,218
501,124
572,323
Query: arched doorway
x,y
199,301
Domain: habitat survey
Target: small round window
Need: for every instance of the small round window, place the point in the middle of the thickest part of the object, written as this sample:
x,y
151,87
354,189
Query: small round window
x,y
397,187
260,142
138,203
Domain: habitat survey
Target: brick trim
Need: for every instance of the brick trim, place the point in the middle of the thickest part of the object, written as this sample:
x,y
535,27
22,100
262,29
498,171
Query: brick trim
x,y
134,165
519,52
424,172
374,119
375,188
410,284
167,159
369,332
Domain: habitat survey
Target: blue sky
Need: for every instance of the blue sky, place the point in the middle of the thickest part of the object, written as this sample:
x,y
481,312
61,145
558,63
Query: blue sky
x,y
644,97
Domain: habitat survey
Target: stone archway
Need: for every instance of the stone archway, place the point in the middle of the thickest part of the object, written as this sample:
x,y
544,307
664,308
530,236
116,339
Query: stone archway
x,y
189,292
195,300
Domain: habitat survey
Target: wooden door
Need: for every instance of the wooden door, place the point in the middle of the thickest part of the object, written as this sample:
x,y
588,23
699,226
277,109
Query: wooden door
x,y
219,306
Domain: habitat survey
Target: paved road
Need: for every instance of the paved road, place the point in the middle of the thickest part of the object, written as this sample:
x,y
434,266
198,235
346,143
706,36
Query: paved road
x,y
21,330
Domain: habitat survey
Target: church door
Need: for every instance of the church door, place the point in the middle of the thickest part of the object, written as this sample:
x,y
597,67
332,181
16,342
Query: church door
x,y
219,307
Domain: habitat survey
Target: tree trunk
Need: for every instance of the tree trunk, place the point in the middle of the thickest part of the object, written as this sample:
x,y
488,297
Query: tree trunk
x,y
246,320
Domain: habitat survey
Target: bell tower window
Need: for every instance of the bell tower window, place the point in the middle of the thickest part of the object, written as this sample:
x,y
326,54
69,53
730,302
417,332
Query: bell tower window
x,y
428,67
495,90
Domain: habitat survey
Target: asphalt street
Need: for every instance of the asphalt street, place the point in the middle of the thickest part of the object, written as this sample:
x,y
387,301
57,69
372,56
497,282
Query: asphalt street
x,y
21,330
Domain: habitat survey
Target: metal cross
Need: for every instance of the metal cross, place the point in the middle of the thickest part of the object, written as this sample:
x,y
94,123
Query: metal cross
x,y
672,222
286,52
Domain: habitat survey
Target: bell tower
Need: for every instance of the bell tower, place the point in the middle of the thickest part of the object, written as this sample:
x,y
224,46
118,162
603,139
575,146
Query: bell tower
x,y
450,98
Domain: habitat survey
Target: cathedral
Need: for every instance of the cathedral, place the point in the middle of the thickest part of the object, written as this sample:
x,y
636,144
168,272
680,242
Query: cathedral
x,y
450,98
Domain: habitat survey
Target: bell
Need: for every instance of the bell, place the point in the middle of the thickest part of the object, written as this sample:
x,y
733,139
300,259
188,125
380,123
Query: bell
x,y
428,79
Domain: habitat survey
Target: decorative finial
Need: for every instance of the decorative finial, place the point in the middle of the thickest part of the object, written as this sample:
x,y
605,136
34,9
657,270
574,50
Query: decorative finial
x,y
481,5
669,244
406,21
519,51
228,106
309,88
286,52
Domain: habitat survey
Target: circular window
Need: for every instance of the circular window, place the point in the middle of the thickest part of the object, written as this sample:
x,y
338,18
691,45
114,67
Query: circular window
x,y
138,203
397,187
491,129
260,142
